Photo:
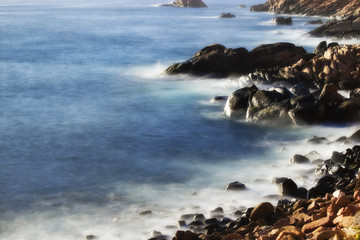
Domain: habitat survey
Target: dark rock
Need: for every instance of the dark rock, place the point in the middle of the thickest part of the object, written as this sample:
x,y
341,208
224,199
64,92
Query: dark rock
x,y
211,221
239,101
302,193
91,237
217,212
199,217
264,210
263,98
313,155
300,90
235,186
306,110
225,221
182,224
288,188
278,180
187,217
227,15
318,140
299,159
283,21
320,49
196,224
315,22
347,112
241,6
219,98
248,212
145,213
337,157
320,190
276,111
355,136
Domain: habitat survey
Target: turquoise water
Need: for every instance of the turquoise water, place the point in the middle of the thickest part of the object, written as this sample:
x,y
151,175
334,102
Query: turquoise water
x,y
92,133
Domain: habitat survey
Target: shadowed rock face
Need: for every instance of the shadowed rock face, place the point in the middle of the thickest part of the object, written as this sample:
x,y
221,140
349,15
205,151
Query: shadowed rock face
x,y
311,7
220,61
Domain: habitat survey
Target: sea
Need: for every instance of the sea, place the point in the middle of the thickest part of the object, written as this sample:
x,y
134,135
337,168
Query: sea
x,y
96,141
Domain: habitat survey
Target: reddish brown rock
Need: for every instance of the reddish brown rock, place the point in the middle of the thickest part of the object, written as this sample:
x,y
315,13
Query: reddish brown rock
x,y
342,201
327,234
263,210
188,235
311,226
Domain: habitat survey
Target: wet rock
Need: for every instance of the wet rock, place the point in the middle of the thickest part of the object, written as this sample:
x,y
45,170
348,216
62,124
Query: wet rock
x,y
235,186
187,217
264,210
337,157
320,190
288,188
299,159
219,98
239,101
283,21
300,90
199,217
188,235
306,110
217,212
278,180
227,15
211,221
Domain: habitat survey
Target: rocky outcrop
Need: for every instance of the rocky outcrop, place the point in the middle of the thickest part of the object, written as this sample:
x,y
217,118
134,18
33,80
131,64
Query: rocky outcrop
x,y
187,3
219,61
311,7
227,15
345,28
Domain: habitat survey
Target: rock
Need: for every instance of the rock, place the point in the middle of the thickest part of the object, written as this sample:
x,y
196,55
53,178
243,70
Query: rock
x,y
320,190
219,99
242,6
217,212
188,235
288,188
189,3
328,234
145,213
355,136
199,217
264,210
320,49
282,21
315,22
330,95
337,157
347,112
309,227
300,90
299,159
91,237
235,186
306,110
239,100
318,140
217,61
261,7
227,15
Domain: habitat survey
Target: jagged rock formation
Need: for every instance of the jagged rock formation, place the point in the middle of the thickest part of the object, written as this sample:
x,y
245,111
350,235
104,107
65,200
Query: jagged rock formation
x,y
311,7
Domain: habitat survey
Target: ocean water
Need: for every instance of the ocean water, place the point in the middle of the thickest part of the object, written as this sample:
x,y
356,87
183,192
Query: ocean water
x,y
92,132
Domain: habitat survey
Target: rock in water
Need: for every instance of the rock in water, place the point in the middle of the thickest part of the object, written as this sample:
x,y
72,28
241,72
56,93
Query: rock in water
x,y
283,21
189,3
235,186
299,159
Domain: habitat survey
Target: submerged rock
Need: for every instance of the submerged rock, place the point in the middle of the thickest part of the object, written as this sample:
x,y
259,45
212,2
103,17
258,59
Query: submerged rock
x,y
299,159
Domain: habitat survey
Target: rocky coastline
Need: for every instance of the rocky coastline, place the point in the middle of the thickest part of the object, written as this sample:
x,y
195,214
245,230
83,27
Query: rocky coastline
x,y
348,13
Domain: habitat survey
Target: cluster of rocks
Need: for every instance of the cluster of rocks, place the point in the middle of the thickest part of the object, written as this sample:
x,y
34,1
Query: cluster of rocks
x,y
329,210
218,61
297,105
186,3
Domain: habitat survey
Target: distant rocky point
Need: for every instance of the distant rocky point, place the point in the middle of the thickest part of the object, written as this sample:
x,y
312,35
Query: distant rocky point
x,y
186,3
339,8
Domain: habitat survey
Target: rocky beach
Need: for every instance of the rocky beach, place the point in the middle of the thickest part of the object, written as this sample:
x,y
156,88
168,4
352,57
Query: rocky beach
x,y
305,92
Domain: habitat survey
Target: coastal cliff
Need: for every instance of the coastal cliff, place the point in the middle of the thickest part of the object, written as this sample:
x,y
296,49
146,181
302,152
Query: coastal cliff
x,y
339,8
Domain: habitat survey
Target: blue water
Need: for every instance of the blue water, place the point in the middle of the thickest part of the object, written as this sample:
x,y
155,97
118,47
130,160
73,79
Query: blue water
x,y
91,130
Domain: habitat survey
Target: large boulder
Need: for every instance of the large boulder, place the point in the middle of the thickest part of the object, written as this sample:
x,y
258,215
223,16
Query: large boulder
x,y
262,211
307,110
239,101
